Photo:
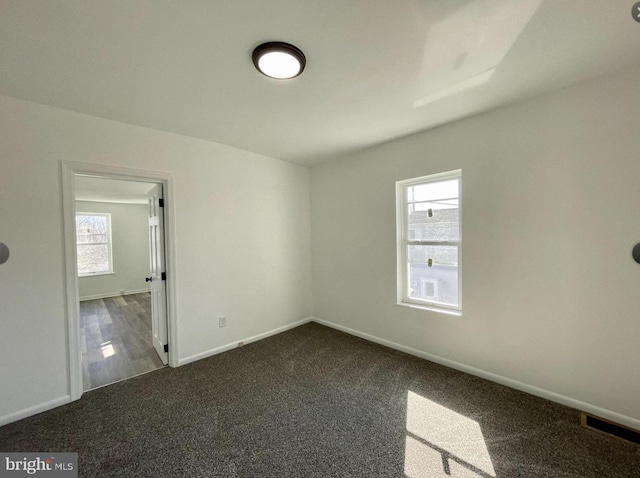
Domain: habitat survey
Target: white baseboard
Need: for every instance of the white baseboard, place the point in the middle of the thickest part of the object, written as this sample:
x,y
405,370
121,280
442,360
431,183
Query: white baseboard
x,y
27,412
113,294
233,345
539,392
43,407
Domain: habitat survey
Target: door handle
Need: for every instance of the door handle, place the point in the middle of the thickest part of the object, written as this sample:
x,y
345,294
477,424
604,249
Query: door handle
x,y
148,279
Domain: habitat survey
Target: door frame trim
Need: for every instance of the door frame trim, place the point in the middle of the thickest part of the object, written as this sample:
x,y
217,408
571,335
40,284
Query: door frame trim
x,y
68,170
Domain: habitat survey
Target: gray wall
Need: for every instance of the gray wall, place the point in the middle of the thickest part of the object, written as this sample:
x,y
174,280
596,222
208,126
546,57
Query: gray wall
x,y
550,214
130,247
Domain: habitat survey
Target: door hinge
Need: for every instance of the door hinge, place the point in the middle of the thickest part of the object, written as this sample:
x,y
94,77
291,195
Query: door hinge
x,y
164,276
161,202
166,348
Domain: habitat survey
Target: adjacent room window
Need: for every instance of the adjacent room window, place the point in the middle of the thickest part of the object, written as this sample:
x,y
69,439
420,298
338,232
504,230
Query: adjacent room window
x,y
429,241
93,239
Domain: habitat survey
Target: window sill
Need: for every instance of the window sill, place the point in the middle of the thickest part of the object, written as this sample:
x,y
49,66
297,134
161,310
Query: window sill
x,y
431,308
94,274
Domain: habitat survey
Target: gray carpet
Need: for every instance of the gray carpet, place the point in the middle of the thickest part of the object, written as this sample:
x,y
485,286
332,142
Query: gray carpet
x,y
314,402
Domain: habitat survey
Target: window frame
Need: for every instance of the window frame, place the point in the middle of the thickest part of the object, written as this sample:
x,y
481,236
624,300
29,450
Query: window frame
x,y
109,245
403,242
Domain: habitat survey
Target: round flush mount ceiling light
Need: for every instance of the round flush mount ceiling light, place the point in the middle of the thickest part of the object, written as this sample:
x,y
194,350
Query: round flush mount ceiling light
x,y
279,60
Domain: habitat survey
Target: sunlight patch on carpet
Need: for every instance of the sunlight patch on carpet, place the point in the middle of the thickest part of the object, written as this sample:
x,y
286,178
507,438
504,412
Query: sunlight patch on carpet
x,y
441,442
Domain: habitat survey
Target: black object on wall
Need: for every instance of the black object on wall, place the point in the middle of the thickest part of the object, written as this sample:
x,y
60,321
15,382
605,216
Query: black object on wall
x,y
4,253
636,253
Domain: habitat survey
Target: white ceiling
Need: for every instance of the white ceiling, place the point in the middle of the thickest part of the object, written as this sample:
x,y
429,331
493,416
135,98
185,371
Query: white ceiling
x,y
376,69
111,190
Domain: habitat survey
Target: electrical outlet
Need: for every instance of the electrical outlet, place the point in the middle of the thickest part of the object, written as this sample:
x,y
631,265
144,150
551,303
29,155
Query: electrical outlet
x,y
222,321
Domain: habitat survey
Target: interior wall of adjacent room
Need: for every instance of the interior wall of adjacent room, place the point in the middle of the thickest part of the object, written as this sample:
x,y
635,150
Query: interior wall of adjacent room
x,y
130,250
550,214
242,240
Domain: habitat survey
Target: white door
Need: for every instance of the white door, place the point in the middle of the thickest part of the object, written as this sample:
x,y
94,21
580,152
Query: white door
x,y
156,262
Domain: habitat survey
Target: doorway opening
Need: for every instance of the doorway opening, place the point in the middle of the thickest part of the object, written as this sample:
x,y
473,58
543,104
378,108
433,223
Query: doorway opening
x,y
117,256
116,225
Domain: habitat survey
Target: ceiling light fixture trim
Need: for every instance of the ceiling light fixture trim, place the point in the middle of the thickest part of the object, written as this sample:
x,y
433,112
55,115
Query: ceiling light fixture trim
x,y
279,60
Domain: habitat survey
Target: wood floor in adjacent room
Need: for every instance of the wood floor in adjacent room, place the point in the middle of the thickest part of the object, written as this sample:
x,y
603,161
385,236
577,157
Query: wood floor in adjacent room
x,y
116,339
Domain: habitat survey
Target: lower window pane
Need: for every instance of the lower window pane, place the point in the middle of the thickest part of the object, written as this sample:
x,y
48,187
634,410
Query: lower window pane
x,y
433,274
93,259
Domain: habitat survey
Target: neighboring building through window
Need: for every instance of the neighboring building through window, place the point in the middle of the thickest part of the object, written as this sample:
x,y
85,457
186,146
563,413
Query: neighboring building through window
x,y
93,239
429,241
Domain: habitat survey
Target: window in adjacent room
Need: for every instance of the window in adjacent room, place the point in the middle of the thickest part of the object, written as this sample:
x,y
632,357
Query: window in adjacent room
x,y
93,239
429,241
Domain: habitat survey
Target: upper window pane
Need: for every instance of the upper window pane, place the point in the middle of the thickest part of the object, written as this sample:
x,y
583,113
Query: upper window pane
x,y
437,225
433,211
436,191
86,224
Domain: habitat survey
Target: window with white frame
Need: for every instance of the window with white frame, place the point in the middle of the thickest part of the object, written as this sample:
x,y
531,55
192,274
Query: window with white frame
x,y
429,241
93,240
